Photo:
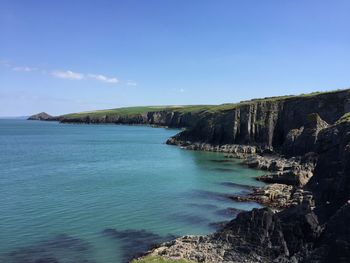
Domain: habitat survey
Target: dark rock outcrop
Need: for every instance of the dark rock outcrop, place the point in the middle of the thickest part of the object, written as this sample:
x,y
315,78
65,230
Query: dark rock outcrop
x,y
256,236
303,140
331,186
334,243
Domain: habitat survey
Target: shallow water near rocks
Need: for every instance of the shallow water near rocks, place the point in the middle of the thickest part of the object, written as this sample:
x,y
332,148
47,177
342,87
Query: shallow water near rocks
x,y
102,193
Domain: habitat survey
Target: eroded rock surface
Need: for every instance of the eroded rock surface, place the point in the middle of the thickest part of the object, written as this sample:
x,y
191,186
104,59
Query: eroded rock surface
x,y
291,171
277,196
256,236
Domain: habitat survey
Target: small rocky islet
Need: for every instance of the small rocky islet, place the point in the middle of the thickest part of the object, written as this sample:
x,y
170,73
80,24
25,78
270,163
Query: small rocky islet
x,y
303,143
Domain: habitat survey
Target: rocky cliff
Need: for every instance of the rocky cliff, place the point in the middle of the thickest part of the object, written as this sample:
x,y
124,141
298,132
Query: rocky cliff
x,y
164,118
314,226
289,125
283,124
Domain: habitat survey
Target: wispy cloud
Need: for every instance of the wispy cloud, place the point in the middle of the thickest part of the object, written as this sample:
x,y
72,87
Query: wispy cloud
x,y
182,90
103,78
131,83
5,63
67,74
25,69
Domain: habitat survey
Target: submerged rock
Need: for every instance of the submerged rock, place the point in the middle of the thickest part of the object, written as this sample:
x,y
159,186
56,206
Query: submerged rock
x,y
135,242
61,248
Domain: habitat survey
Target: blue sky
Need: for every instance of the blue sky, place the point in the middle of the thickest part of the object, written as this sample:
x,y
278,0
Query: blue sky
x,y
69,56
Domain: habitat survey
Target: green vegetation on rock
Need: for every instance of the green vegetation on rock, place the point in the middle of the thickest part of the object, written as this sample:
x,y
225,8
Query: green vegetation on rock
x,y
152,259
344,118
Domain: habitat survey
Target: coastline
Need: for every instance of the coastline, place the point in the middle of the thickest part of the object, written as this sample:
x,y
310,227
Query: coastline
x,y
302,222
302,142
275,197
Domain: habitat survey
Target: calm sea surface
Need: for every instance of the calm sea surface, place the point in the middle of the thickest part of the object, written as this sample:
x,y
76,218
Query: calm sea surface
x,y
102,193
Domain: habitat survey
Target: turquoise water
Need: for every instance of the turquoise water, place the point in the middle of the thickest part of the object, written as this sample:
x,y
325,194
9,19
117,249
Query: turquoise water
x,y
100,193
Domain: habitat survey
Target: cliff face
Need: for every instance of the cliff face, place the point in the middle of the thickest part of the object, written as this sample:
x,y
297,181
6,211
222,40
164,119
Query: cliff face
x,y
267,123
166,118
331,182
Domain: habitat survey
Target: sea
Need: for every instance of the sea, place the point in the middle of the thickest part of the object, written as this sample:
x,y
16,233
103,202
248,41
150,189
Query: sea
x,y
74,193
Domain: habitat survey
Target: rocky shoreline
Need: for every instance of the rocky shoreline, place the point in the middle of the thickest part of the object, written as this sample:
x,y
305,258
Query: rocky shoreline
x,y
285,176
309,218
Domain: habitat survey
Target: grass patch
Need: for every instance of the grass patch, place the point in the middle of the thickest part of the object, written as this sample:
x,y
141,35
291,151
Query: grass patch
x,y
135,111
153,259
344,118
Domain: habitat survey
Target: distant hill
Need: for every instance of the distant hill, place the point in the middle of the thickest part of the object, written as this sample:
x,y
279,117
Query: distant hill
x,y
42,116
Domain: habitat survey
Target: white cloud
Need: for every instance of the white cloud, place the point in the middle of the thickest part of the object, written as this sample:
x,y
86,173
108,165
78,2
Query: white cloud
x,y
182,90
67,74
103,78
26,69
131,83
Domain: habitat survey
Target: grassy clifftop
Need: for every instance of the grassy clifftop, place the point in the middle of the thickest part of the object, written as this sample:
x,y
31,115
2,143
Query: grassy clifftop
x,y
134,111
129,111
